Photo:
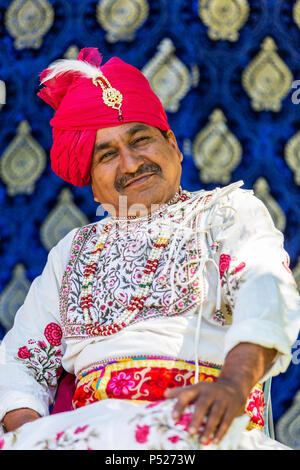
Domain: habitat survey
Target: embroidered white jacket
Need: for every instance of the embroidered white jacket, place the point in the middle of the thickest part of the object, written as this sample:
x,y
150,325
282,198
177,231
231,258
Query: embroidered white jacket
x,y
232,284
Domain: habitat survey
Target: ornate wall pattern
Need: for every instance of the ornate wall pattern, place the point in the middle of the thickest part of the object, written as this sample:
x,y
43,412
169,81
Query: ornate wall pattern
x,y
226,71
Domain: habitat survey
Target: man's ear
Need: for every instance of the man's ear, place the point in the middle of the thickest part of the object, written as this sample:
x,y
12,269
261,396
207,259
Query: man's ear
x,y
95,197
172,141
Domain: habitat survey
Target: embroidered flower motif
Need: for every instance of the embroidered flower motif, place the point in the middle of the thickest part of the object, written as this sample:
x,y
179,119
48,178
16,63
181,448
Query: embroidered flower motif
x,y
133,249
157,423
137,275
141,433
58,435
239,268
53,334
121,384
230,283
219,317
43,360
23,353
159,380
73,438
224,264
184,421
286,264
111,283
162,280
255,407
83,396
122,297
80,429
155,403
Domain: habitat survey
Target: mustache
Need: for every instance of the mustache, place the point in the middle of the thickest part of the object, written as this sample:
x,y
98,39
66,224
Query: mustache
x,y
146,168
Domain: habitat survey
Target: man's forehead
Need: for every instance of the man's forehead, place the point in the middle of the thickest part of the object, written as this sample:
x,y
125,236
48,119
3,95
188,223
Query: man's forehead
x,y
126,129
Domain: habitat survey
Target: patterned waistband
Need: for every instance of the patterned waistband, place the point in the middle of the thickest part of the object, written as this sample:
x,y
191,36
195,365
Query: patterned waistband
x,y
144,380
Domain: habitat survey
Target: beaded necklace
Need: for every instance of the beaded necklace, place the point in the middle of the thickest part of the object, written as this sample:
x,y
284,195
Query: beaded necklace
x,y
93,327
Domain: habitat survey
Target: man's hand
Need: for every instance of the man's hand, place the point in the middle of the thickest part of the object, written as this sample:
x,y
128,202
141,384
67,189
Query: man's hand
x,y
222,401
16,418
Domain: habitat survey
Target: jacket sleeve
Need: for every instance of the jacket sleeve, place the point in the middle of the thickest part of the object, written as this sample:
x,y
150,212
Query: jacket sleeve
x,y
258,289
31,352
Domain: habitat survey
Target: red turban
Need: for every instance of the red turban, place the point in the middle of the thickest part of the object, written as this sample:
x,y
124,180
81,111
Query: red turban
x,y
81,108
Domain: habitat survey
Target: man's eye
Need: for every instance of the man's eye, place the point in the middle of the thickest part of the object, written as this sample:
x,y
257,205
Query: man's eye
x,y
140,139
106,155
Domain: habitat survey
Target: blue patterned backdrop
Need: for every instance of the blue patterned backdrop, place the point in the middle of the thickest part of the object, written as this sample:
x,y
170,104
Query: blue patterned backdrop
x,y
226,71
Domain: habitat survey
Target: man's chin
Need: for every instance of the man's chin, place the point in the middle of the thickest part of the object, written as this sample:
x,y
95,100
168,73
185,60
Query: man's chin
x,y
143,199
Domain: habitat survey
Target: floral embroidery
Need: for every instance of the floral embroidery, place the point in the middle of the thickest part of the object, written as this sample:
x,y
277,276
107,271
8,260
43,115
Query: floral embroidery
x,y
224,264
84,396
9,439
155,403
174,439
53,334
44,360
286,264
239,268
141,433
125,255
230,283
146,380
184,421
23,353
139,379
158,426
73,328
80,429
255,407
149,378
226,275
121,384
74,438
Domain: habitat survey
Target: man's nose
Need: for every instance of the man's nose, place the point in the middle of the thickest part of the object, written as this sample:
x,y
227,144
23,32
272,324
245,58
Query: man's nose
x,y
129,161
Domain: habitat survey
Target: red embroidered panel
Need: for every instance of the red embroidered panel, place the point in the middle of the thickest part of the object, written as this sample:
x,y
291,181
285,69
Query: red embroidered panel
x,y
145,381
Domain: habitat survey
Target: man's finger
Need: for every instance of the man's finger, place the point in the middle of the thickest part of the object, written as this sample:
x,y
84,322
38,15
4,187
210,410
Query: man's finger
x,y
185,396
173,392
202,407
214,419
183,400
224,426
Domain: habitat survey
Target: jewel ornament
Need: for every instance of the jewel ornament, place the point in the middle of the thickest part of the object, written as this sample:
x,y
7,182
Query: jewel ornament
x,y
110,96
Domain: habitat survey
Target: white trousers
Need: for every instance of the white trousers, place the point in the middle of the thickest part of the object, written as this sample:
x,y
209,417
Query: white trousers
x,y
124,425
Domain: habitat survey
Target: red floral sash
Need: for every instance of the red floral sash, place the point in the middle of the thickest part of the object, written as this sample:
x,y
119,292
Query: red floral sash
x,y
144,380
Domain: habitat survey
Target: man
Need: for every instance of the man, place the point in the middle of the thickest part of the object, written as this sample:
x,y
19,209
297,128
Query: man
x,y
168,312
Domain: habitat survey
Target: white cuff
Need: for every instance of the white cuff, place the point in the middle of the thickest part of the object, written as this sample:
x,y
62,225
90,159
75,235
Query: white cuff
x,y
263,333
15,400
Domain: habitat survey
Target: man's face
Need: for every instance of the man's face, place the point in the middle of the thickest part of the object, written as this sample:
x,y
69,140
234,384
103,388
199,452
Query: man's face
x,y
135,160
